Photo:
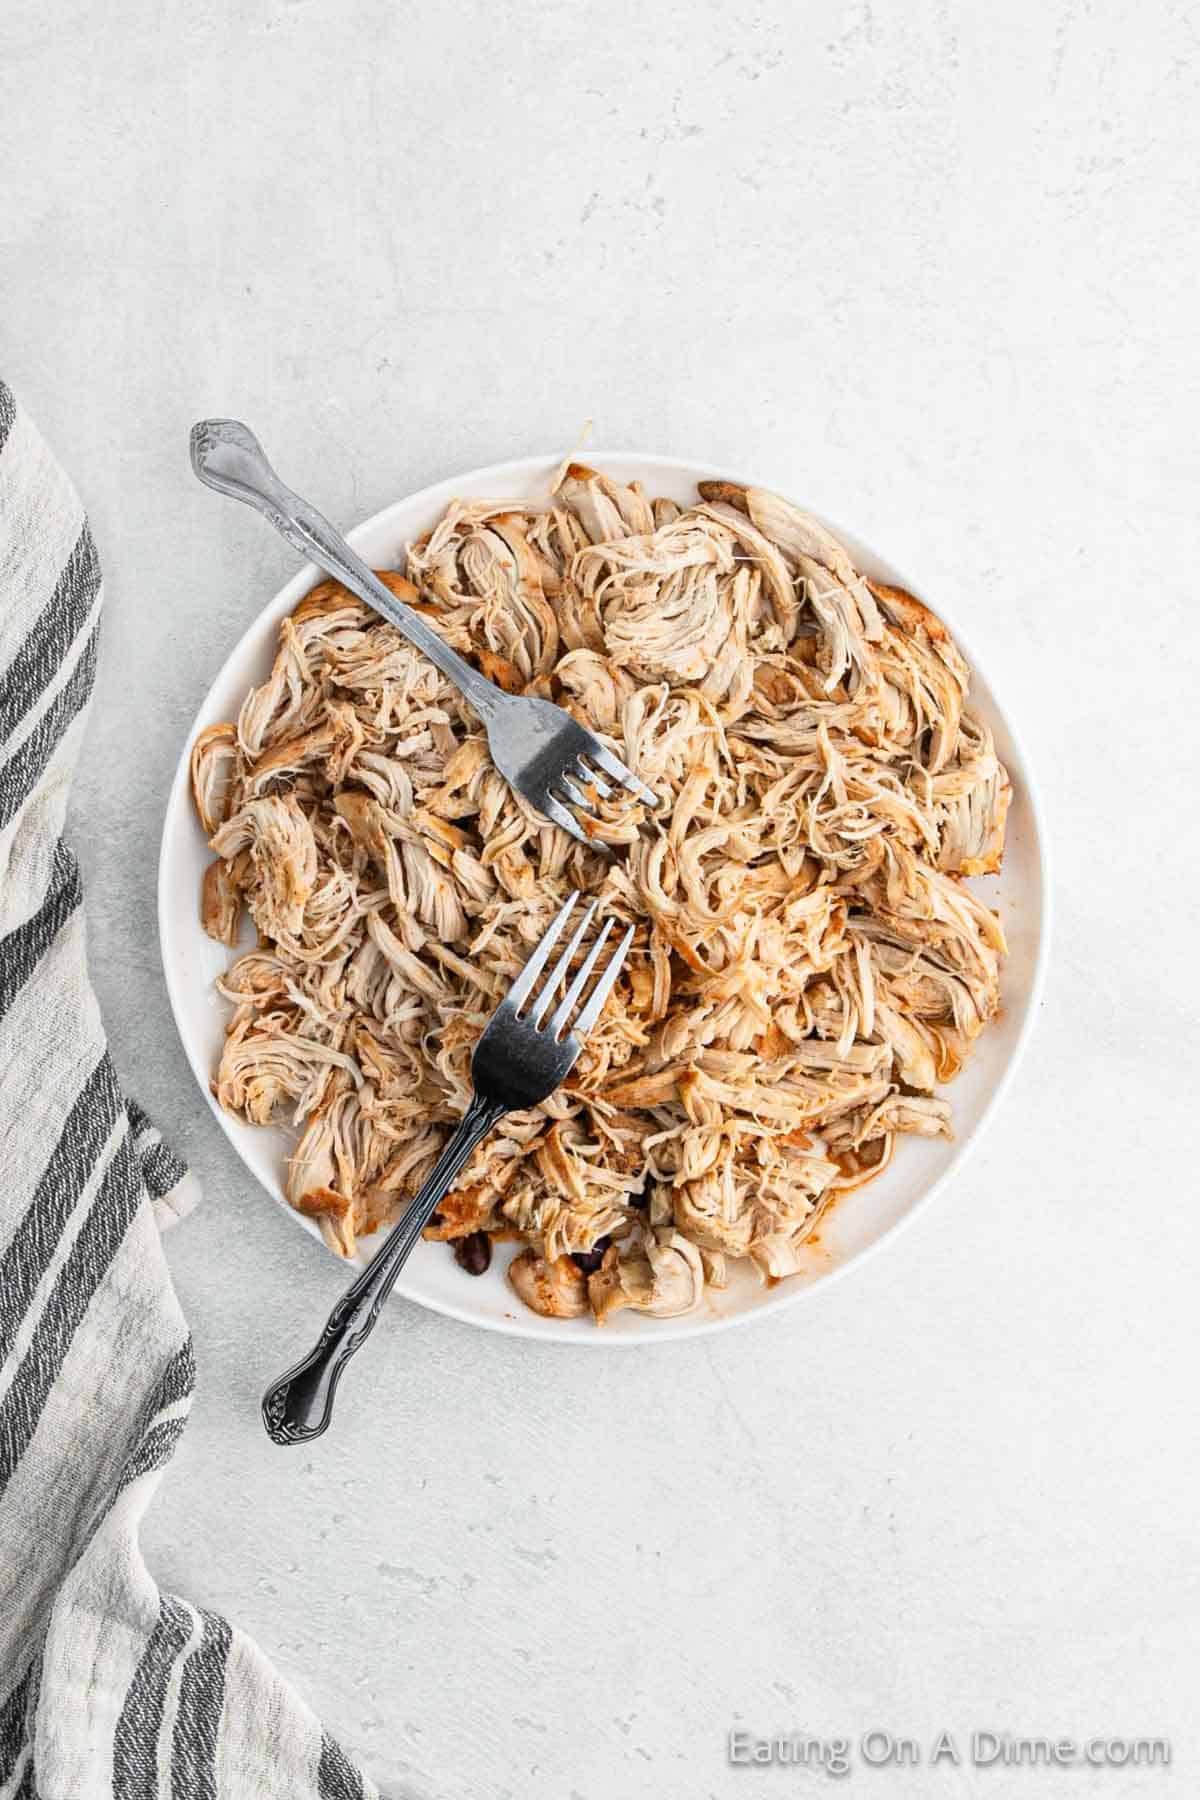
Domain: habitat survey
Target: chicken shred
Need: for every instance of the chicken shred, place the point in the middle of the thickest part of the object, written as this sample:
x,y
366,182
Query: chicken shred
x,y
809,962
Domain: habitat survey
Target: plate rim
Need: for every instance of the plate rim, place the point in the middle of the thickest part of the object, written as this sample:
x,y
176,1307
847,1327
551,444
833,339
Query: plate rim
x,y
787,1294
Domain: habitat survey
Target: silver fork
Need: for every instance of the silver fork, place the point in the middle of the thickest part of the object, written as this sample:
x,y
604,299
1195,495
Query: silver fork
x,y
539,749
526,1051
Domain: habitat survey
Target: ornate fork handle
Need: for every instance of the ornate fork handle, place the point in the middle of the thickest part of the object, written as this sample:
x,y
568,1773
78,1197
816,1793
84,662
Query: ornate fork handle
x,y
299,1405
227,456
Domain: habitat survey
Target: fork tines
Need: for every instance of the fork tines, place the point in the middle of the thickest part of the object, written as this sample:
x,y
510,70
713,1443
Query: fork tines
x,y
612,765
560,1019
585,777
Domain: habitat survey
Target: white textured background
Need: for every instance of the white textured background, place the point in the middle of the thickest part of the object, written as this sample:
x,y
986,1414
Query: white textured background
x,y
933,269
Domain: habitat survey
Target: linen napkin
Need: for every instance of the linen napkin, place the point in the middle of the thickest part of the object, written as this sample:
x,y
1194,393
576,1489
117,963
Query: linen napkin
x,y
107,1686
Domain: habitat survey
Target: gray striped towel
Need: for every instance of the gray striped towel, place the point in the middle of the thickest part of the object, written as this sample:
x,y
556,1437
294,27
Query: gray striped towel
x,y
106,1685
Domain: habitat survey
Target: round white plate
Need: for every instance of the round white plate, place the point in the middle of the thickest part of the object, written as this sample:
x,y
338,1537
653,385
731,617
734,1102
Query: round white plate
x,y
191,960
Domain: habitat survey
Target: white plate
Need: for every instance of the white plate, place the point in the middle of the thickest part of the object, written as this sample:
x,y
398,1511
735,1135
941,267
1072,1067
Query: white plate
x,y
860,1221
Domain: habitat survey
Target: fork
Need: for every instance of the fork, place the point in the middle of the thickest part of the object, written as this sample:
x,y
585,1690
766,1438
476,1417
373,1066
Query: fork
x,y
521,1058
540,750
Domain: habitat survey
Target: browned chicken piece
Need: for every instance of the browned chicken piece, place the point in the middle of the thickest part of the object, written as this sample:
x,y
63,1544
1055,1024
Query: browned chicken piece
x,y
220,903
555,1289
213,768
283,856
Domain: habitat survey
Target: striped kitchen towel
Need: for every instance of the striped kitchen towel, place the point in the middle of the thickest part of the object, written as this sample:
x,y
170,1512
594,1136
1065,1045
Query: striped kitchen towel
x,y
107,1686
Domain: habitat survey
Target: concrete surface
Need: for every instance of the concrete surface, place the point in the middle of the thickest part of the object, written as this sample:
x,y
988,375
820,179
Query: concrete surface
x,y
932,268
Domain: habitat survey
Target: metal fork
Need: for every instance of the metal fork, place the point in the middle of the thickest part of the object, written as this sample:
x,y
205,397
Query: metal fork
x,y
539,749
521,1058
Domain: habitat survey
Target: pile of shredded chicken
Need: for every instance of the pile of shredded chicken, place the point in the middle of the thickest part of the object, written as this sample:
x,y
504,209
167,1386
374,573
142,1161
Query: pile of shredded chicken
x,y
809,962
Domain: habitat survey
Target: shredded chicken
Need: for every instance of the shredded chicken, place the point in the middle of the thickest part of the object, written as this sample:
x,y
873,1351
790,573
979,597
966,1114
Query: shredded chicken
x,y
809,963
